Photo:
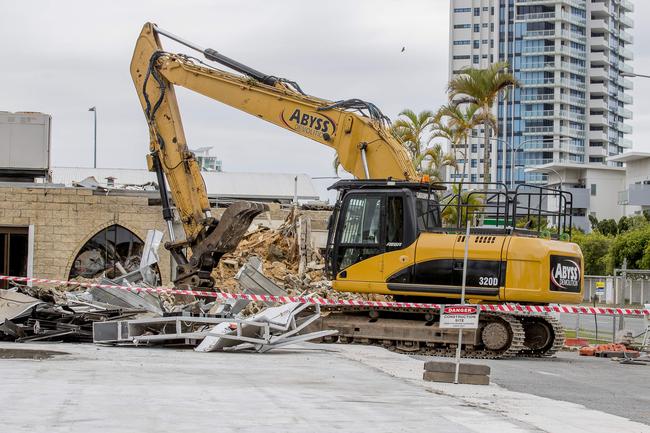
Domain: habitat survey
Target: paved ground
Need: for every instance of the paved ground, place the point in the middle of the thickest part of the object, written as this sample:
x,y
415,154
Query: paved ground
x,y
597,383
310,388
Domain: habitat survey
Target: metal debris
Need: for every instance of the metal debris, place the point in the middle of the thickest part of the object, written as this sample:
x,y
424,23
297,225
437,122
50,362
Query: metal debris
x,y
272,328
14,304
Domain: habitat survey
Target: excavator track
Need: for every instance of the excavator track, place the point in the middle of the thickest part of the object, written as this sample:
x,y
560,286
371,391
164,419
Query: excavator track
x,y
500,335
544,335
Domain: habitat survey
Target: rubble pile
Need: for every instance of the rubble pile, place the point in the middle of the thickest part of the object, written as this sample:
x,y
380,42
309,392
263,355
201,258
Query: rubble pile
x,y
53,314
281,256
278,262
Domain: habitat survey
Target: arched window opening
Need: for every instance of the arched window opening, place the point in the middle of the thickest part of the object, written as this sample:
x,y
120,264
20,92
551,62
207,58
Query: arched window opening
x,y
111,253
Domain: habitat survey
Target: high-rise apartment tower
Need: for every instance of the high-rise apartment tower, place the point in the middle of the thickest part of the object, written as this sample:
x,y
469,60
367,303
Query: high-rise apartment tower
x,y
571,58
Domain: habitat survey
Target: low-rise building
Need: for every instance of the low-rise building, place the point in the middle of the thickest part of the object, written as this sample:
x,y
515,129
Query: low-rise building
x,y
59,232
594,189
221,186
635,196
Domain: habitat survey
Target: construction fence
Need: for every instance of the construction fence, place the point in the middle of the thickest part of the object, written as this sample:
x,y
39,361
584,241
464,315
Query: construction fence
x,y
630,289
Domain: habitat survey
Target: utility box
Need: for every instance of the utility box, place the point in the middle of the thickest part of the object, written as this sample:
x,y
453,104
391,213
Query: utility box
x,y
24,145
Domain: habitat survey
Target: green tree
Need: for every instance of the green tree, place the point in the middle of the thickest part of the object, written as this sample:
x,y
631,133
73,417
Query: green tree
x,y
623,224
533,223
607,227
411,129
633,246
482,87
434,159
595,249
636,222
645,260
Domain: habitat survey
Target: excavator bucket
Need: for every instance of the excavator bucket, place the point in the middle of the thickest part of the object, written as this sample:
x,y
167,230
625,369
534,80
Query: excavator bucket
x,y
232,226
223,239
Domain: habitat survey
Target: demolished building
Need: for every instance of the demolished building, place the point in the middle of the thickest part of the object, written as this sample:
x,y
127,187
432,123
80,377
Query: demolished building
x,y
89,229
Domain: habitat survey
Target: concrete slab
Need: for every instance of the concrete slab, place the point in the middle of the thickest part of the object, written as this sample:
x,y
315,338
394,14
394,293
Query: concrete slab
x,y
597,383
450,367
310,389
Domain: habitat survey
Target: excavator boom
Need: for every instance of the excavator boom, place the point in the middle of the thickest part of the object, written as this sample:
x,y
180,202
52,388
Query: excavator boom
x,y
339,125
355,129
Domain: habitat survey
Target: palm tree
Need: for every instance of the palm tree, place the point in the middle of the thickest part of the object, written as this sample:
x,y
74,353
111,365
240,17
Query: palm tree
x,y
455,124
410,129
482,87
439,129
435,159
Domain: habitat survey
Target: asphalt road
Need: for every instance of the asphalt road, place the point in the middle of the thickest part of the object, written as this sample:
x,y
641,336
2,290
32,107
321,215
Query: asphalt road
x,y
587,323
597,383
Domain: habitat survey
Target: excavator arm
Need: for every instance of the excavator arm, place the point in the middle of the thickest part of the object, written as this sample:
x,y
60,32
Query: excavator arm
x,y
355,129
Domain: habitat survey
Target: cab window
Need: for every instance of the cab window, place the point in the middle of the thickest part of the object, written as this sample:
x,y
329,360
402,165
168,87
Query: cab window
x,y
360,236
395,222
427,215
361,224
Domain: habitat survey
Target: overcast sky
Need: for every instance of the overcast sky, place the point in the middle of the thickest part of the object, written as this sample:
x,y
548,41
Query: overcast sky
x,y
62,57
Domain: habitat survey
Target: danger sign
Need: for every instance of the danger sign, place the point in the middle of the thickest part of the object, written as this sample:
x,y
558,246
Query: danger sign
x,y
459,316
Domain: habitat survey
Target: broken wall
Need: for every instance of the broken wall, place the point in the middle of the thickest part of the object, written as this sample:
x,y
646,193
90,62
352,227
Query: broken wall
x,y
64,219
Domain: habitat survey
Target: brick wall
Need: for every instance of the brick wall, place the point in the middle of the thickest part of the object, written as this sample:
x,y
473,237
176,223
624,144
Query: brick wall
x,y
65,218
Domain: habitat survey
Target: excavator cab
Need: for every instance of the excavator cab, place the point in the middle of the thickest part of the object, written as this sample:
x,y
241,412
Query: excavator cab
x,y
373,217
390,237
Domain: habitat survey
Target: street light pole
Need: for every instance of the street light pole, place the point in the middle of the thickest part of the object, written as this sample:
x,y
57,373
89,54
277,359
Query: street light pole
x,y
547,169
529,140
632,74
94,110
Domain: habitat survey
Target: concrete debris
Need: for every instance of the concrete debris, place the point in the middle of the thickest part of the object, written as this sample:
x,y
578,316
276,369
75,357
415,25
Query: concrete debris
x,y
63,313
123,298
145,273
58,322
275,327
277,262
287,259
224,326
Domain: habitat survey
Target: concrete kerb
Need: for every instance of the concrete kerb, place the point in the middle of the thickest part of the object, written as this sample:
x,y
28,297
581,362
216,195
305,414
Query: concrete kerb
x,y
449,367
463,378
444,371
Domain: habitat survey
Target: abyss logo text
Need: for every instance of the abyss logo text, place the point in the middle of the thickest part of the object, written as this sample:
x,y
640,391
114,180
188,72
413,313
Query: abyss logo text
x,y
310,123
565,274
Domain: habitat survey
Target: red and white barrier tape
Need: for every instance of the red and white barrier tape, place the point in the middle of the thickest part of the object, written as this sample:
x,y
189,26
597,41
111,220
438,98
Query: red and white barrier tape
x,y
336,302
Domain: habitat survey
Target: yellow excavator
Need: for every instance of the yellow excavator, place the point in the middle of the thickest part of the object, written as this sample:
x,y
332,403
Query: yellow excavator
x,y
390,233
